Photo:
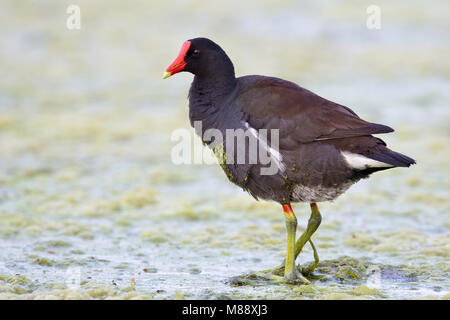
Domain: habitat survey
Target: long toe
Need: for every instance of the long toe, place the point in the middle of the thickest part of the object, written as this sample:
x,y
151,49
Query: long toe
x,y
296,278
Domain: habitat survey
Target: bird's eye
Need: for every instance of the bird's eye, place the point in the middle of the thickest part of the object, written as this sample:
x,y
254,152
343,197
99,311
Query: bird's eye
x,y
196,52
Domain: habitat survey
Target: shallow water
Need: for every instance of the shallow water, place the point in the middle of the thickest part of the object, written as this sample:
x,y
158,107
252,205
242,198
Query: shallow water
x,y
88,191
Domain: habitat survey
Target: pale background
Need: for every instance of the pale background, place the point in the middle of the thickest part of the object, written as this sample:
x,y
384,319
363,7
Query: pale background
x,y
86,180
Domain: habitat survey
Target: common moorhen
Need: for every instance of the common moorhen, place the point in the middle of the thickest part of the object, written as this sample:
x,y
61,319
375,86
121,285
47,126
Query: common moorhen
x,y
319,148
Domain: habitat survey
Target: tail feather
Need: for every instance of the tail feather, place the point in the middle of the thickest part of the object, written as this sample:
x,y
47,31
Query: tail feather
x,y
391,157
371,153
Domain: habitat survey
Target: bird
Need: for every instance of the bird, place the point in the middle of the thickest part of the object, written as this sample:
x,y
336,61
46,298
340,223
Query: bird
x,y
317,148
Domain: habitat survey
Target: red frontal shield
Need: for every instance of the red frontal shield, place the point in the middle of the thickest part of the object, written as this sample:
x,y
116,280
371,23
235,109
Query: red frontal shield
x,y
179,62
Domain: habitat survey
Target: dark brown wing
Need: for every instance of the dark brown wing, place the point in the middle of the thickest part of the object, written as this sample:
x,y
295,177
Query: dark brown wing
x,y
273,103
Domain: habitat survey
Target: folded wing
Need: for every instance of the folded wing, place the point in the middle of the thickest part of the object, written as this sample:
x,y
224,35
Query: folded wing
x,y
299,114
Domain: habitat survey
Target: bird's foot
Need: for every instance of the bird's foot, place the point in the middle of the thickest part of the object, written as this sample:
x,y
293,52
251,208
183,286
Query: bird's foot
x,y
262,278
276,275
307,270
296,277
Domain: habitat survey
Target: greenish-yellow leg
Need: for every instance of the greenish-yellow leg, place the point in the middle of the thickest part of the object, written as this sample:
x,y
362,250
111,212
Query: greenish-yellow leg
x,y
288,268
290,271
291,226
313,223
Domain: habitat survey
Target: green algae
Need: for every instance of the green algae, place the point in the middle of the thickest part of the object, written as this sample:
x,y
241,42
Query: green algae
x,y
195,270
137,198
44,262
76,251
51,244
356,275
153,236
150,270
364,290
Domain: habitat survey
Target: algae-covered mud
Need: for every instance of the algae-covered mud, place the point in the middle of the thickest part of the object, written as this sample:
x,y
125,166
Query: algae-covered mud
x,y
91,206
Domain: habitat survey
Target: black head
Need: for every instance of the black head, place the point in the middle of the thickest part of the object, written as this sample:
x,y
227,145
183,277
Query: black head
x,y
201,57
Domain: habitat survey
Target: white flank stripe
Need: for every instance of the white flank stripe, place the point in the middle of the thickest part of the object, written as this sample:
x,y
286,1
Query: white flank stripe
x,y
275,155
360,162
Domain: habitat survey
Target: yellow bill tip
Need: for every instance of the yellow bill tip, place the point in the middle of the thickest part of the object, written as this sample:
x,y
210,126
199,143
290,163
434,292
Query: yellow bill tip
x,y
166,75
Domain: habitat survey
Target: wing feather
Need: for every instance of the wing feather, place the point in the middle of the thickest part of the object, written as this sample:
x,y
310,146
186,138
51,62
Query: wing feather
x,y
273,103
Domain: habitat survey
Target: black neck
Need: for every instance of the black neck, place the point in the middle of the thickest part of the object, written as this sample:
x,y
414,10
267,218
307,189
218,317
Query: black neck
x,y
207,96
216,78
214,86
